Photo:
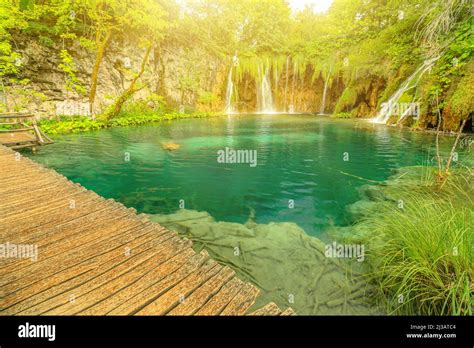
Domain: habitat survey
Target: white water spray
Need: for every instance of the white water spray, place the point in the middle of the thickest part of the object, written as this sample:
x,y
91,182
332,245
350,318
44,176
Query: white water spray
x,y
286,83
264,94
408,84
323,101
229,107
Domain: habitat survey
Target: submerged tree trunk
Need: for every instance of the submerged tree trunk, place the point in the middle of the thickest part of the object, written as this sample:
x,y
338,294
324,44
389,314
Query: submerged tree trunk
x,y
101,45
116,107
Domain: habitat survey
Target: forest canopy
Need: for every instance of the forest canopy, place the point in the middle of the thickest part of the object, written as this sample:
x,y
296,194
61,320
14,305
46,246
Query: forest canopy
x,y
359,50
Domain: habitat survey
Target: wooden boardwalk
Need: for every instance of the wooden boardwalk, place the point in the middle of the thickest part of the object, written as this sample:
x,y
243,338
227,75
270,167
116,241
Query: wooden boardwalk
x,y
96,257
21,132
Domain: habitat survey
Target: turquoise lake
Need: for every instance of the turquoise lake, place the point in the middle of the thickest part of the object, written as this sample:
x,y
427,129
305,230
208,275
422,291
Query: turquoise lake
x,y
309,168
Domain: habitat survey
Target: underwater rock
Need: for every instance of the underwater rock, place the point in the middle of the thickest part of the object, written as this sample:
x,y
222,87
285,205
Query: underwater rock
x,y
289,266
373,197
170,146
361,208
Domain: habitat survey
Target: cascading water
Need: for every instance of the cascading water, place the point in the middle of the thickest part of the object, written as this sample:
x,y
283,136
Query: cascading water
x,y
323,101
229,107
264,94
228,93
286,83
293,86
408,84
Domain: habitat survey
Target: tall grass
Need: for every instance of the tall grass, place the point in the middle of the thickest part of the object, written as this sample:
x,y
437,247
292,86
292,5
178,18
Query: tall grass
x,y
423,262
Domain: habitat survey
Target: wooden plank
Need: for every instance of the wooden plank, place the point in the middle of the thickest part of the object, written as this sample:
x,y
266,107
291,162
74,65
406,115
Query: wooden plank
x,y
16,130
70,265
220,300
87,269
201,295
11,174
112,268
68,257
52,214
88,296
174,248
73,196
15,208
161,279
288,312
48,238
53,246
270,309
22,188
182,290
16,115
140,248
168,282
9,123
16,138
33,233
242,301
134,294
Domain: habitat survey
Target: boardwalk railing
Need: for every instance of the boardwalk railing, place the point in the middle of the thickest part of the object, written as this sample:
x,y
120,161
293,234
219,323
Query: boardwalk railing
x,y
22,131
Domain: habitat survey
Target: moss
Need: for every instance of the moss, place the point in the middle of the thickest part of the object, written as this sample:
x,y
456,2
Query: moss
x,y
342,115
394,82
461,102
347,100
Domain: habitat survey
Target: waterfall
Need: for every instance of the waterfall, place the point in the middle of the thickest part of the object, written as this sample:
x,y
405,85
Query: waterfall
x,y
228,93
264,94
323,101
286,83
293,83
229,107
411,82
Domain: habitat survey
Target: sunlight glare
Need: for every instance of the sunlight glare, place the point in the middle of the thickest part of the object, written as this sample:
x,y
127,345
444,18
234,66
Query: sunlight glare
x,y
319,6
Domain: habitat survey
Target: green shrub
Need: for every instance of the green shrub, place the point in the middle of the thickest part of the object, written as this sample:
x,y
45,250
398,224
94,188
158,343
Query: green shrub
x,y
81,124
342,115
153,103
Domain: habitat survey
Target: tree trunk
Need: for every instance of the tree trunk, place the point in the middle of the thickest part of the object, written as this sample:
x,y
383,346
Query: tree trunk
x,y
117,106
101,45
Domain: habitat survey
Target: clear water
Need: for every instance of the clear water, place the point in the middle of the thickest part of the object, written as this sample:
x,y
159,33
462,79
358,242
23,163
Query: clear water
x,y
300,158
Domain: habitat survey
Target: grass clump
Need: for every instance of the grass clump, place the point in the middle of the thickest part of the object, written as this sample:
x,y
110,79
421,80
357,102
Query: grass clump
x,y
423,257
